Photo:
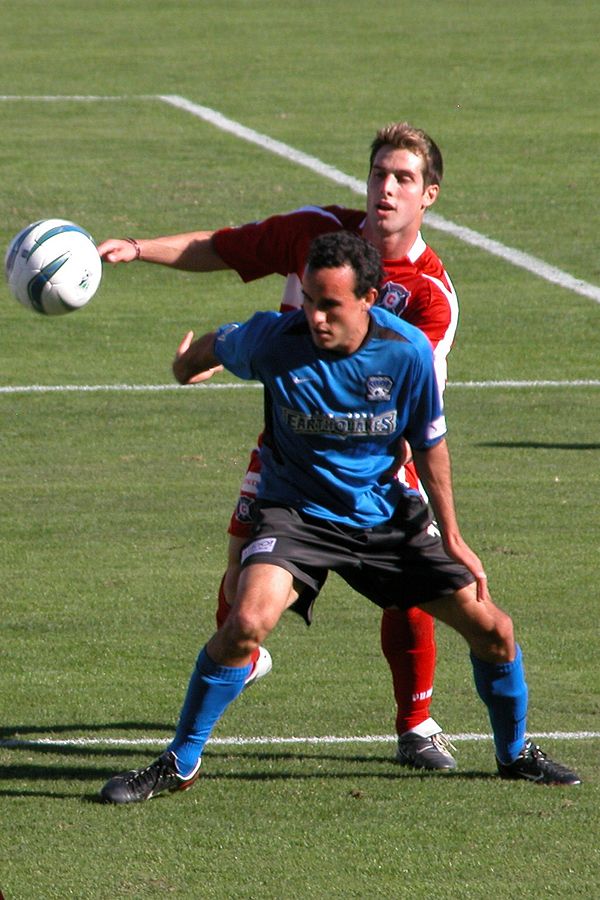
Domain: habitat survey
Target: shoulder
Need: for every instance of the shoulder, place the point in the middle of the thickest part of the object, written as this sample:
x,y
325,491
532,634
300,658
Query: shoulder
x,y
385,319
429,267
260,322
304,217
315,220
272,323
418,276
401,338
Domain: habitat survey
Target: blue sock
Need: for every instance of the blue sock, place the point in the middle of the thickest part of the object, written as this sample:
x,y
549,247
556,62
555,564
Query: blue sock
x,y
503,689
210,691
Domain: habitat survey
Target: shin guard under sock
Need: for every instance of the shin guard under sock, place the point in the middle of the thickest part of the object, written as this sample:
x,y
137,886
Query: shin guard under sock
x,y
503,689
210,691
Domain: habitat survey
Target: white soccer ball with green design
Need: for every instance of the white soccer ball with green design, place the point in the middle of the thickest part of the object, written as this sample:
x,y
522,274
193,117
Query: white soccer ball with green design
x,y
53,267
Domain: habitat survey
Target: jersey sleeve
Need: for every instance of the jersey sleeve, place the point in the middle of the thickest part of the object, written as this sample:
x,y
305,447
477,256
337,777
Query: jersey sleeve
x,y
278,244
430,311
427,424
237,344
433,309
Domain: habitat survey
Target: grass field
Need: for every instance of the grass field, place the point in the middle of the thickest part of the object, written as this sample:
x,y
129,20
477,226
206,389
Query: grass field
x,y
114,502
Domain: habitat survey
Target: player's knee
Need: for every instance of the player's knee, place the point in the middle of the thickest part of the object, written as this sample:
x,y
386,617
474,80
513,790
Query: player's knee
x,y
245,630
498,643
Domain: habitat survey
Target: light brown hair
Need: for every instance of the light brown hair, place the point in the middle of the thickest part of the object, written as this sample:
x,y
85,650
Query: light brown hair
x,y
403,136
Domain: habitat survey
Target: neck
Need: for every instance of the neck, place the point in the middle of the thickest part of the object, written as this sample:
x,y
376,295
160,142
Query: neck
x,y
391,246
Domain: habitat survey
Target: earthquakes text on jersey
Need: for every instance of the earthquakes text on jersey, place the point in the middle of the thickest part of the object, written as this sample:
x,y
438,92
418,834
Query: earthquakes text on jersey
x,y
344,425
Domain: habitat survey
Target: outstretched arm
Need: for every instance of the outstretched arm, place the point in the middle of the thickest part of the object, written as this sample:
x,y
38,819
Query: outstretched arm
x,y
195,360
435,471
192,251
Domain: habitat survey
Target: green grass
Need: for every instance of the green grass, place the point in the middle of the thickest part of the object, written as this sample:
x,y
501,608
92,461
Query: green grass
x,y
114,505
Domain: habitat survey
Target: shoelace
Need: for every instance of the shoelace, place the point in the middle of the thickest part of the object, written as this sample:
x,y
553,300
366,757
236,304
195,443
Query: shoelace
x,y
536,753
442,742
152,774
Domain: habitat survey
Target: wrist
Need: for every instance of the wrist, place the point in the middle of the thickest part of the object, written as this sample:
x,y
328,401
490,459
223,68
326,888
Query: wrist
x,y
136,247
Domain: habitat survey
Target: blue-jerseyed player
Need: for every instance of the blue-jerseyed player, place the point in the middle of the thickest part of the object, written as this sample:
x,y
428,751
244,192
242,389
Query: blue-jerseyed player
x,y
346,385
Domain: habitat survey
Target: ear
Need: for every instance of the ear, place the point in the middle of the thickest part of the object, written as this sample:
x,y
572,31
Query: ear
x,y
371,297
430,195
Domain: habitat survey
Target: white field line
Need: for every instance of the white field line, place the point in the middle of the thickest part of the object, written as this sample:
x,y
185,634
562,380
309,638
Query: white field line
x,y
326,740
73,98
253,385
515,257
467,235
119,388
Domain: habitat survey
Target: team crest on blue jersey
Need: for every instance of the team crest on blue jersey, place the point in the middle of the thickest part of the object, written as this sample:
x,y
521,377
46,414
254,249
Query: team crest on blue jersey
x,y
379,387
393,297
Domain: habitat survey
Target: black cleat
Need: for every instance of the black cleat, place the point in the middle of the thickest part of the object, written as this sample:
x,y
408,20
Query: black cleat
x,y
429,753
142,784
532,764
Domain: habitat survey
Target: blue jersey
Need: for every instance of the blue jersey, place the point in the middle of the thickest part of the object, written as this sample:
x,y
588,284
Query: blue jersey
x,y
333,423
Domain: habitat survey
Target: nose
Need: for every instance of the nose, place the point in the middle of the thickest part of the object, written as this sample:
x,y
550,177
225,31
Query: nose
x,y
388,183
318,316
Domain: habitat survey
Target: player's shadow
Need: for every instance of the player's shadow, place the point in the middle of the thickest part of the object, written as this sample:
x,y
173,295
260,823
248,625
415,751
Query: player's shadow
x,y
539,445
21,737
17,732
219,764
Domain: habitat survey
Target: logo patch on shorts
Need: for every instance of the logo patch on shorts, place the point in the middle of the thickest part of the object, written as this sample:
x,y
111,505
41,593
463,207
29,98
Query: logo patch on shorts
x,y
262,545
379,387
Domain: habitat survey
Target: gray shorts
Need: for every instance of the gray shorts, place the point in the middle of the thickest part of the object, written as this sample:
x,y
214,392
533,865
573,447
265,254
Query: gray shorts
x,y
399,564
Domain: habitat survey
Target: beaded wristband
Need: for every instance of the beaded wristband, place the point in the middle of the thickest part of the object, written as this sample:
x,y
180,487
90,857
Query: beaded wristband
x,y
136,247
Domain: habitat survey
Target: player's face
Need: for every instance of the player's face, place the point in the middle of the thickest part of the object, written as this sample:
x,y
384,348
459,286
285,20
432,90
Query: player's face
x,y
337,318
396,194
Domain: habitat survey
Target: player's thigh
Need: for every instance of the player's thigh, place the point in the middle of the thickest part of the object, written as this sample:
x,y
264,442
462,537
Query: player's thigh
x,y
485,627
265,591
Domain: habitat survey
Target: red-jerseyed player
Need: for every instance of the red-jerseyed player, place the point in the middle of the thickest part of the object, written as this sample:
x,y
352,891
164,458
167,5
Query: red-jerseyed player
x,y
404,181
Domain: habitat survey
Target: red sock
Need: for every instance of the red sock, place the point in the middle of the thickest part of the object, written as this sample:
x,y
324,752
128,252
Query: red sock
x,y
408,644
223,608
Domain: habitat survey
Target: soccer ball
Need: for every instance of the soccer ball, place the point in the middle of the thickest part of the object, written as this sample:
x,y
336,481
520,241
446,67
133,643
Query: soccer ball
x,y
53,267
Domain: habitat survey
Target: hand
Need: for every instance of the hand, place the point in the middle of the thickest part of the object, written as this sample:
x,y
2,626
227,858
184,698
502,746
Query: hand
x,y
404,454
184,363
116,250
462,553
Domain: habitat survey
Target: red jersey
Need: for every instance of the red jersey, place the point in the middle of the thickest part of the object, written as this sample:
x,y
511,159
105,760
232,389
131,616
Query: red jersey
x,y
416,287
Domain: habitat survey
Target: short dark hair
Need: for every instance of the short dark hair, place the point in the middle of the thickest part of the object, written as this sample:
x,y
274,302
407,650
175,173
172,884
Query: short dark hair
x,y
343,248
